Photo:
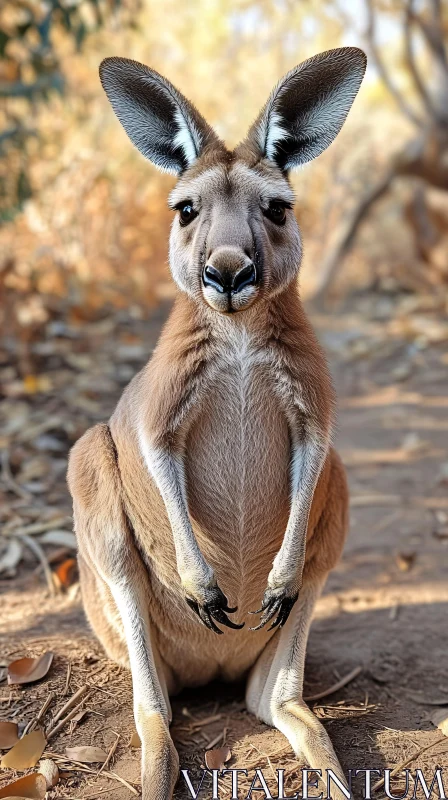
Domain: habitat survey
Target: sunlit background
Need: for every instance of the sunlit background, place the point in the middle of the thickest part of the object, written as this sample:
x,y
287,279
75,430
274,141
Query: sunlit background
x,y
84,218
85,287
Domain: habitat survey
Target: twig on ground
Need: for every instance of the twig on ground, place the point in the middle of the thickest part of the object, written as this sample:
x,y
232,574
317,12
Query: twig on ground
x,y
35,528
37,550
118,778
216,740
32,724
68,705
109,755
281,750
67,679
386,521
336,686
361,709
10,482
53,731
53,557
79,767
96,671
265,755
207,721
379,784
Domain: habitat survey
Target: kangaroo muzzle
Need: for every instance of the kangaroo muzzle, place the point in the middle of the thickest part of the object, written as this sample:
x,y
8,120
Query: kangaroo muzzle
x,y
230,280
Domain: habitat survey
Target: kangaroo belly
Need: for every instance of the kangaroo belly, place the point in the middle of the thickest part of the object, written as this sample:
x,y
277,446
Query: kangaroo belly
x,y
237,466
237,477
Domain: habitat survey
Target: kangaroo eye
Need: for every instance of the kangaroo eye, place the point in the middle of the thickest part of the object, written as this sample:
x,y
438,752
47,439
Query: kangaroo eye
x,y
276,212
186,213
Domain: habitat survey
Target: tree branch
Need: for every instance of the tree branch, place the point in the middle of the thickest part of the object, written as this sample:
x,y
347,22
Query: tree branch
x,y
410,17
406,109
433,33
348,235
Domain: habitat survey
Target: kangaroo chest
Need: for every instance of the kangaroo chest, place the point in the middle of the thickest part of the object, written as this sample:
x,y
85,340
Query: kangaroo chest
x,y
238,454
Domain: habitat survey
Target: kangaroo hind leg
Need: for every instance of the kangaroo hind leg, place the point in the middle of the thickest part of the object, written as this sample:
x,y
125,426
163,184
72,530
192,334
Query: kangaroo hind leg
x,y
111,568
275,686
275,691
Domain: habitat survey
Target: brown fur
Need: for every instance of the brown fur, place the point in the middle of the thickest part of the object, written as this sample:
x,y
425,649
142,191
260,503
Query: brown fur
x,y
114,497
325,539
216,472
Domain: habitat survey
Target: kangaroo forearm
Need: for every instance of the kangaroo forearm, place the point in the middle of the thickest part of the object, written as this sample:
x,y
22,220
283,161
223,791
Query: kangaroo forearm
x,y
307,462
168,473
203,595
176,384
290,560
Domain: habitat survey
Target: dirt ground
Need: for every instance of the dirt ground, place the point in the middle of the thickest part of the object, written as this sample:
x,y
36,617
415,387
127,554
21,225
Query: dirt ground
x,y
384,608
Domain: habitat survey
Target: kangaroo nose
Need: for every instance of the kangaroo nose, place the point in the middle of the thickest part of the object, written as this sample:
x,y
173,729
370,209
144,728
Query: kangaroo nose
x,y
213,277
247,276
225,282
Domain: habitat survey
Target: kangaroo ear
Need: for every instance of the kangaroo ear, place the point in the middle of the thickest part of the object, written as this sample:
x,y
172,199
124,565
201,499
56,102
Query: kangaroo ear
x,y
307,108
158,119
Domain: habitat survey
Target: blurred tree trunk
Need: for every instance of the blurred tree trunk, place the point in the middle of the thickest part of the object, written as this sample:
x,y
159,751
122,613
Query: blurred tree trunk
x,y
425,156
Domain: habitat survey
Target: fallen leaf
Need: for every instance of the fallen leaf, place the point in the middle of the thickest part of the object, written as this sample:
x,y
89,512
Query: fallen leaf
x,y
86,755
31,786
30,384
50,771
28,670
91,658
26,753
440,718
79,717
405,561
9,735
67,572
215,759
34,383
413,443
401,372
135,740
11,557
59,537
441,533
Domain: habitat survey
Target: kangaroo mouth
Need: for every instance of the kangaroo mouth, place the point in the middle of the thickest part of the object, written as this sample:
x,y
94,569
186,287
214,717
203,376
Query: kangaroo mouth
x,y
230,302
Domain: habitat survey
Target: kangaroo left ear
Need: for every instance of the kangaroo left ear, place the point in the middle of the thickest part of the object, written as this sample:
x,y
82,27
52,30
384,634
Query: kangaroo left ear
x,y
158,119
307,108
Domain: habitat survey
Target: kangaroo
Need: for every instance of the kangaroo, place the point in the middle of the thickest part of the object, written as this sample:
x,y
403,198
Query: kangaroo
x,y
214,486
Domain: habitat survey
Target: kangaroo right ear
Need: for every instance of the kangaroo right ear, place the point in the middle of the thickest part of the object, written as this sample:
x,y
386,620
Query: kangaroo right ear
x,y
158,119
307,108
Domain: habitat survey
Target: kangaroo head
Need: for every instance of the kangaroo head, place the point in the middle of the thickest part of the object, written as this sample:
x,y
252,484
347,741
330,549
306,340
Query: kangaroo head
x,y
235,237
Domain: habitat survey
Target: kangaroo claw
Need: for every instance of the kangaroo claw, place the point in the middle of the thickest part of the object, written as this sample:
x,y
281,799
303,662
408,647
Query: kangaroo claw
x,y
276,603
215,608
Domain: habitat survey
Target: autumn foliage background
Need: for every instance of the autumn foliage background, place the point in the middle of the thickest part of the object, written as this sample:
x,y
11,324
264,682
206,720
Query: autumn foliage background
x,y
84,218
85,287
